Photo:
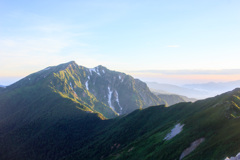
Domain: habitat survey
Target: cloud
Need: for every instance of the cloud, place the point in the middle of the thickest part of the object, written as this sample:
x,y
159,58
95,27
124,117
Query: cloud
x,y
190,72
173,46
23,54
180,77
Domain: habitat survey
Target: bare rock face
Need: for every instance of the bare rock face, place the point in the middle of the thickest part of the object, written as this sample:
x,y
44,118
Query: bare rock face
x,y
192,147
176,130
234,158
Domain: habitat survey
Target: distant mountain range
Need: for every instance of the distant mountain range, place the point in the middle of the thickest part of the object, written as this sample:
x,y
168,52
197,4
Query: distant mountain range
x,y
199,91
1,86
213,88
174,89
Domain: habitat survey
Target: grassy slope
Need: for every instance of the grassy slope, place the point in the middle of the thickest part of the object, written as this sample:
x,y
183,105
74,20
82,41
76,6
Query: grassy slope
x,y
212,120
35,118
124,131
140,135
171,99
34,123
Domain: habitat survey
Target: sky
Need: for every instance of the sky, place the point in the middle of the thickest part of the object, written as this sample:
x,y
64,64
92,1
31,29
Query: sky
x,y
179,42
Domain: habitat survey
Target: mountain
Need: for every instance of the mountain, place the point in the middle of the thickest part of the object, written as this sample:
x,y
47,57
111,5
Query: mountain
x,y
205,129
98,90
173,89
213,88
172,99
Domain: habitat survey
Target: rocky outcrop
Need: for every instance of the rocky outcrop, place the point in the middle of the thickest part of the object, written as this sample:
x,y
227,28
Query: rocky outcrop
x,y
192,147
176,130
237,157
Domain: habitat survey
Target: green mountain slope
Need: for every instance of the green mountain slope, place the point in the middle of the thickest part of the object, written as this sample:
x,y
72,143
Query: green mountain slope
x,y
215,119
140,135
33,116
213,123
172,99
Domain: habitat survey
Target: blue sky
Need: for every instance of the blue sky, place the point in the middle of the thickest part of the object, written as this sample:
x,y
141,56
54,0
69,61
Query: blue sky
x,y
121,35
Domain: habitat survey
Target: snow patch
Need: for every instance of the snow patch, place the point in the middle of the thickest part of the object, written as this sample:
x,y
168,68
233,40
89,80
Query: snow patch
x,y
47,68
86,84
97,71
176,130
109,98
117,99
103,71
237,157
120,78
29,79
192,147
72,88
91,70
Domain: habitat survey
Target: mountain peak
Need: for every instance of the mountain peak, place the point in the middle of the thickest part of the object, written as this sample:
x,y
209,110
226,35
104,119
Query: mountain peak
x,y
72,62
236,90
101,90
68,63
100,67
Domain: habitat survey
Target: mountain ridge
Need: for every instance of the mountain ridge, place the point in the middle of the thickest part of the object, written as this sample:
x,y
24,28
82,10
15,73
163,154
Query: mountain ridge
x,y
101,90
172,99
214,88
173,89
